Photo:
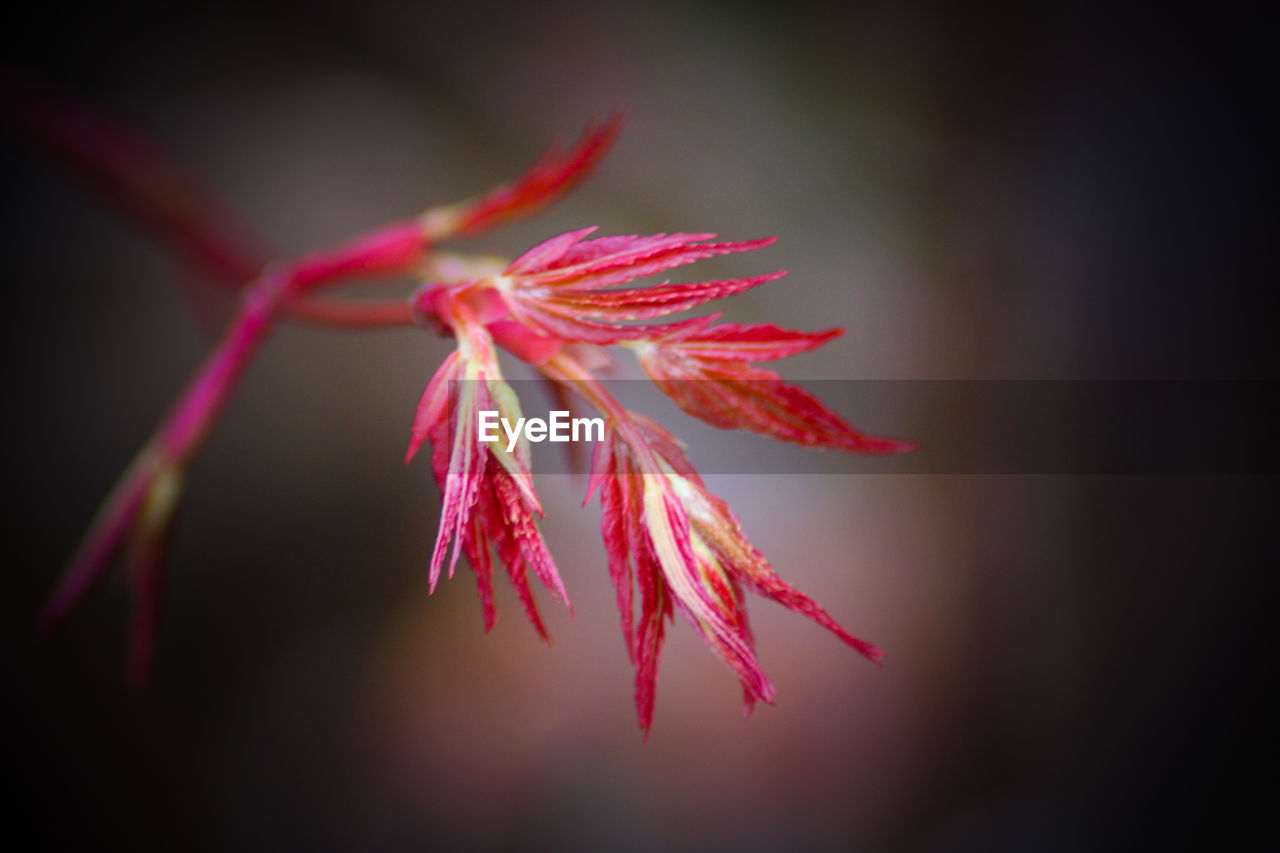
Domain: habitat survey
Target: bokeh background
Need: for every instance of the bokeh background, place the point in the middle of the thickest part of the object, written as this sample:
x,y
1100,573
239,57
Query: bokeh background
x,y
1051,192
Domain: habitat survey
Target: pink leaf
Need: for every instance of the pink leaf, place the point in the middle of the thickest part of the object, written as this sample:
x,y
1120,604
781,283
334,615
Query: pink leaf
x,y
734,395
550,177
731,342
646,302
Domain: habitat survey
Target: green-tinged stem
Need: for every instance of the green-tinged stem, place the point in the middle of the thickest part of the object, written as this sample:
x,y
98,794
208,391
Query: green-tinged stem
x,y
106,536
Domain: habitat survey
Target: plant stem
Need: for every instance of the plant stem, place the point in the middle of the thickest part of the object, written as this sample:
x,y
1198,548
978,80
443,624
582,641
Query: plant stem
x,y
168,451
188,423
350,315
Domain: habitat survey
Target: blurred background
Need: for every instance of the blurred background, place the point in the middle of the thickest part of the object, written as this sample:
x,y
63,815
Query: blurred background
x,y
1051,192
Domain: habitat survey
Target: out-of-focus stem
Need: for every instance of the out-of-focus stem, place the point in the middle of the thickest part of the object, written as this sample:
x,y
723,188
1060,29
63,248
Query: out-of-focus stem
x,y
106,535
182,433
141,495
349,315
144,563
189,422
394,248
136,174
